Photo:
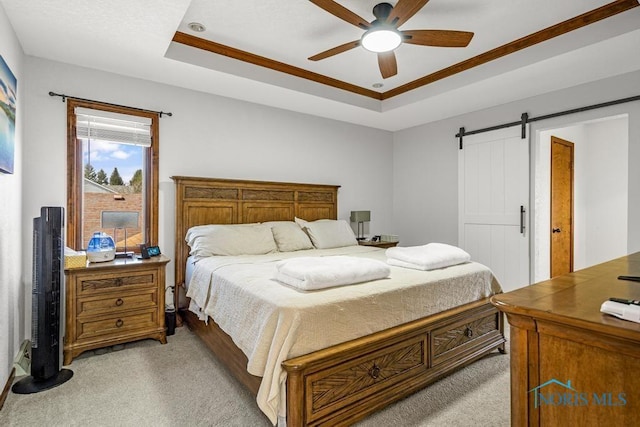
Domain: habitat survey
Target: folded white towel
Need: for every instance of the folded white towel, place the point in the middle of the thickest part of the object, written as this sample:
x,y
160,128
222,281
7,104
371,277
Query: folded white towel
x,y
427,257
310,273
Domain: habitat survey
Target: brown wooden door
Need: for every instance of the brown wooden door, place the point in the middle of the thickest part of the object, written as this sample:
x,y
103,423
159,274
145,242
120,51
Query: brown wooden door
x,y
561,207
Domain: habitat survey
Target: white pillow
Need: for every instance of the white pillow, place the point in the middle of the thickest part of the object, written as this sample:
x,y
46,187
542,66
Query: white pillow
x,y
204,229
235,239
274,223
327,234
303,223
289,237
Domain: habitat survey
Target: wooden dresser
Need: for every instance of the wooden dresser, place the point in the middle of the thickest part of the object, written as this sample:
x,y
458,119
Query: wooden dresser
x,y
571,364
114,302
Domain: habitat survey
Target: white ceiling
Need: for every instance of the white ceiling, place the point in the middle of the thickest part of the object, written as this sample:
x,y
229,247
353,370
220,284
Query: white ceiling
x,y
134,38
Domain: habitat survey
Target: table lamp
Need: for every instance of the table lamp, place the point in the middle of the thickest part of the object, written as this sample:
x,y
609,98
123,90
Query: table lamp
x,y
360,217
123,220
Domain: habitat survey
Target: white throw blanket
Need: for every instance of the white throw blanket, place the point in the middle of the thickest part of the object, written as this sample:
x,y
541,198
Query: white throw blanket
x,y
311,273
427,257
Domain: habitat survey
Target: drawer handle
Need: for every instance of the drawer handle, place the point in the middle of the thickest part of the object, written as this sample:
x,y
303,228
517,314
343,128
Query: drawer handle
x,y
468,332
374,372
118,282
119,323
119,302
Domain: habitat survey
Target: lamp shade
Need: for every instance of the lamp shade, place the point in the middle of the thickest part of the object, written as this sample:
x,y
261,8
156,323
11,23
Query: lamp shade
x,y
120,219
360,216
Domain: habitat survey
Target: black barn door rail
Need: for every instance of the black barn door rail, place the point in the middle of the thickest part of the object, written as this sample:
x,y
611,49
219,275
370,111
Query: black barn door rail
x,y
524,119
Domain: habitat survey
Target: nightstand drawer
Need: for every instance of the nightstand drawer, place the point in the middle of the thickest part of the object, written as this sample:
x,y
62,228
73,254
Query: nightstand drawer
x,y
115,325
90,284
121,301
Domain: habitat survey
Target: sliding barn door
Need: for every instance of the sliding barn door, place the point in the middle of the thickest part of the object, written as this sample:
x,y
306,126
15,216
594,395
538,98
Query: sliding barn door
x,y
493,189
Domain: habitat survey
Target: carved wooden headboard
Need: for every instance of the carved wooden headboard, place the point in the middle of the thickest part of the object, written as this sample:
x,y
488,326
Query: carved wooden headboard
x,y
226,201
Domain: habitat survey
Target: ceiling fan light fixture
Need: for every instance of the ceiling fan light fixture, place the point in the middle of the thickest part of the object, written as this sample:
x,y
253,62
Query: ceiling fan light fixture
x,y
381,39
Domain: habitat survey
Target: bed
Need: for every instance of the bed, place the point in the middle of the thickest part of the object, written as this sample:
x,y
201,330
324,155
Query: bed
x,y
343,381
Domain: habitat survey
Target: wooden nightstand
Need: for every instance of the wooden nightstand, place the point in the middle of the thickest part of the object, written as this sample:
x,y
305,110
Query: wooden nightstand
x,y
114,302
377,244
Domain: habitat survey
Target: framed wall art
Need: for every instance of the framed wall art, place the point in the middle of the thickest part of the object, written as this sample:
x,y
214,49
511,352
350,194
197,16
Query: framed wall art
x,y
8,89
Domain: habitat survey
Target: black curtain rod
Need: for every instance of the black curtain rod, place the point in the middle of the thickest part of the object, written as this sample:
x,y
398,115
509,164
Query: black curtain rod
x,y
64,98
526,119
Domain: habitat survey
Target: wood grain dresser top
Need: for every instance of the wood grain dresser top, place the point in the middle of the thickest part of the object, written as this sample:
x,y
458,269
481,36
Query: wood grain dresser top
x,y
575,299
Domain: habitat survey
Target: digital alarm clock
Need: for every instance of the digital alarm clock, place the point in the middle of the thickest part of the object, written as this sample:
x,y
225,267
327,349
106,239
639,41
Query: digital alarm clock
x,y
147,252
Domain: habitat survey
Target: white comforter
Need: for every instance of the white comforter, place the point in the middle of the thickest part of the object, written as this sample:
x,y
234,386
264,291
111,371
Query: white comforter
x,y
271,322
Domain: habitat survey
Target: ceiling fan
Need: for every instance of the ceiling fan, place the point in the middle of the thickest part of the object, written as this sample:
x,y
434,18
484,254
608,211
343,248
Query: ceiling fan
x,y
382,35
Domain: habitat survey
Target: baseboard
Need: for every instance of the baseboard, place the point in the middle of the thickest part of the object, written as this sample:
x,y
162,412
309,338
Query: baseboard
x,y
7,387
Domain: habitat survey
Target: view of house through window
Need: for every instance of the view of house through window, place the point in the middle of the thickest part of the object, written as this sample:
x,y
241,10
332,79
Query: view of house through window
x,y
114,149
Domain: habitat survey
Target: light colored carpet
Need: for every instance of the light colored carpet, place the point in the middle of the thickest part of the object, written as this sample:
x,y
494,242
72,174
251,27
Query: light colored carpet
x,y
182,383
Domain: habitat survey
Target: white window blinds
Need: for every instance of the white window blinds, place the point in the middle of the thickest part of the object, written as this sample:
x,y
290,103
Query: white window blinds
x,y
112,127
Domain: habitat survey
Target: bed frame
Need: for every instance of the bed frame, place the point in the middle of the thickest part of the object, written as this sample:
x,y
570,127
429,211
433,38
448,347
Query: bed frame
x,y
340,384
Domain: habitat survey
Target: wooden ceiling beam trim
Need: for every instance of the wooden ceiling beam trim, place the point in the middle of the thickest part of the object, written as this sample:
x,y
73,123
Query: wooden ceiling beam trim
x,y
199,43
548,33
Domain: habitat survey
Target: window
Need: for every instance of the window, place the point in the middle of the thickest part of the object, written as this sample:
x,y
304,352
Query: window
x,y
112,166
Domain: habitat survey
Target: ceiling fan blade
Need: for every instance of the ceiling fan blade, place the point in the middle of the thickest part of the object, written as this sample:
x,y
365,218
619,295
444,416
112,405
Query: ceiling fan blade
x,y
334,51
387,63
403,10
440,38
341,12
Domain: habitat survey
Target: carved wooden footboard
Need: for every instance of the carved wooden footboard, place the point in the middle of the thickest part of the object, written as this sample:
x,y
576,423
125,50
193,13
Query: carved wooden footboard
x,y
341,384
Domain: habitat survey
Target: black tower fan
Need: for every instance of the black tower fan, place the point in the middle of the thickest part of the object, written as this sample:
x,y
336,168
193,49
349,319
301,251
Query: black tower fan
x,y
47,296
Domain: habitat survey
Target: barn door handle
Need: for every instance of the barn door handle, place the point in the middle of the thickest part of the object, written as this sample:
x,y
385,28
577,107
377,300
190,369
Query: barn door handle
x,y
522,212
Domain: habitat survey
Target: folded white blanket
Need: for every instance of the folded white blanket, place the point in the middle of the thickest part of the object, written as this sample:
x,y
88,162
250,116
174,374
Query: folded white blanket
x,y
427,257
311,273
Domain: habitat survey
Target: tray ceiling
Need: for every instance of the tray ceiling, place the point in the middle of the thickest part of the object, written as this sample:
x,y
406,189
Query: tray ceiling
x,y
258,50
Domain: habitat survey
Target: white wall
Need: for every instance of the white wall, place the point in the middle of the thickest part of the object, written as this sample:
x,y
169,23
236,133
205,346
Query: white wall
x,y
425,185
207,136
600,192
12,328
425,157
607,192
